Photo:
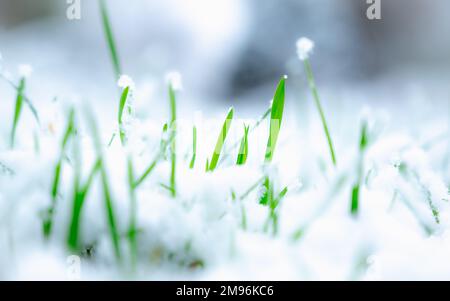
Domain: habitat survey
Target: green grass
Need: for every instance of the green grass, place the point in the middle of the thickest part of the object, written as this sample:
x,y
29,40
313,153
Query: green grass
x,y
107,28
69,132
122,103
79,197
269,198
243,149
276,118
132,224
173,150
158,157
194,147
363,144
17,111
107,195
212,163
32,108
252,128
315,93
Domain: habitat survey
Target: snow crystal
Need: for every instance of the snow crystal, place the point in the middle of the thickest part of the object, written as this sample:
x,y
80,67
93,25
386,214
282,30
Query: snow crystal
x,y
25,70
175,80
305,47
126,81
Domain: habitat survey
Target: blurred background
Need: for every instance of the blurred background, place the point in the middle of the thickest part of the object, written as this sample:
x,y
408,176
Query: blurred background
x,y
231,49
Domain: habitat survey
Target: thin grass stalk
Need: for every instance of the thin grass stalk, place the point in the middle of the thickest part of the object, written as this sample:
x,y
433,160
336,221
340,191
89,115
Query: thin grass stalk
x,y
107,196
212,164
132,224
17,111
173,151
276,118
194,147
48,221
32,108
315,93
107,28
243,149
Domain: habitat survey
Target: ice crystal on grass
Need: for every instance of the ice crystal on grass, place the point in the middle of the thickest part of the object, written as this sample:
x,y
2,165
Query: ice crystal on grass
x,y
305,47
25,70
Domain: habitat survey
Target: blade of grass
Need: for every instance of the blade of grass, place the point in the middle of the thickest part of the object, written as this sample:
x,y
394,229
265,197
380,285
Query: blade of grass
x,y
110,38
70,129
363,143
315,93
80,194
243,149
173,151
276,118
107,196
17,111
220,141
122,102
252,128
132,224
194,147
163,146
25,98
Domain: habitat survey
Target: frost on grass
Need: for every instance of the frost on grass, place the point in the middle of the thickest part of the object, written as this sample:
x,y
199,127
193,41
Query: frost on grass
x,y
305,48
258,214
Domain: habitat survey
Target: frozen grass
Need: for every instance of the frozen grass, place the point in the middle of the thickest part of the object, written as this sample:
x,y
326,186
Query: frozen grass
x,y
70,130
243,148
211,164
110,39
194,147
173,129
259,210
363,144
17,111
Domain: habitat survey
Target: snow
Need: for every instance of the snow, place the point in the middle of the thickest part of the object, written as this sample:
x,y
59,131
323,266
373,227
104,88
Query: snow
x,y
201,234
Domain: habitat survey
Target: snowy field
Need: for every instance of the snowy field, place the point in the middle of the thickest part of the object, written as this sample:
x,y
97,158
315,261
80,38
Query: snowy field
x,y
152,183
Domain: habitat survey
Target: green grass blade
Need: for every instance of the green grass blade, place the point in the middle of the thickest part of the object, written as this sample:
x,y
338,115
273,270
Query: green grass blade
x,y
80,194
111,216
220,141
132,224
363,144
107,196
276,118
312,85
110,38
194,147
17,111
173,151
163,146
123,101
252,128
243,149
25,98
355,200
